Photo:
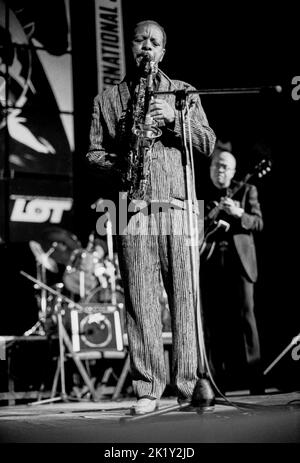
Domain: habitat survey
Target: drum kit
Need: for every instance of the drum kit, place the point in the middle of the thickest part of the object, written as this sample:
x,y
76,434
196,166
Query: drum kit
x,y
84,274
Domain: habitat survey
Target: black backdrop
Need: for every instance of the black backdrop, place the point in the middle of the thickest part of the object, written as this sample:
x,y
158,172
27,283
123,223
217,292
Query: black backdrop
x,y
216,47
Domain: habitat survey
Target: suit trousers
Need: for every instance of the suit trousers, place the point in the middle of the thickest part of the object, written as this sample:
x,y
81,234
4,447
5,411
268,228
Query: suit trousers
x,y
157,242
229,315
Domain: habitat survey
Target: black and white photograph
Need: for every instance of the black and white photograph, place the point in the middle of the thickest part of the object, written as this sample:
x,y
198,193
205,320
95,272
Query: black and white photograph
x,y
148,226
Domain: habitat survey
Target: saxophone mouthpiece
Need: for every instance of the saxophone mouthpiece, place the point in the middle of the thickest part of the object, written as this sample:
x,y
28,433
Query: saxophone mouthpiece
x,y
145,63
146,57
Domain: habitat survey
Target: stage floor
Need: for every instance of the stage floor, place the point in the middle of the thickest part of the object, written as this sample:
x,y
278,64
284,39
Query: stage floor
x,y
270,418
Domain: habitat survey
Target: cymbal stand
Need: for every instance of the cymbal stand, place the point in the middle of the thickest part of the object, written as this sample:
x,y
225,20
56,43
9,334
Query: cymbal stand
x,y
41,276
64,341
38,326
61,359
81,284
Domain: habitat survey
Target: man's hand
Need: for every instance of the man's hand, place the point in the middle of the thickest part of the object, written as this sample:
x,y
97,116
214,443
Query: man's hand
x,y
231,207
161,110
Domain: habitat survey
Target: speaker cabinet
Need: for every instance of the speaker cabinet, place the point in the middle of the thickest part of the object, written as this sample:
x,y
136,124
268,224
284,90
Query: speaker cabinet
x,y
98,327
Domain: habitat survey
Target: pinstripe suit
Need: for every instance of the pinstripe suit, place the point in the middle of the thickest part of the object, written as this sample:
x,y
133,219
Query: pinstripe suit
x,y
154,242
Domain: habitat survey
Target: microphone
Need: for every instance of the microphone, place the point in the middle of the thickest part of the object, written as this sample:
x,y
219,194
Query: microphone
x,y
271,88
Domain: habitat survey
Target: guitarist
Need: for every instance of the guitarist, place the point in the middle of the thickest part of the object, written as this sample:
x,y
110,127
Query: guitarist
x,y
228,275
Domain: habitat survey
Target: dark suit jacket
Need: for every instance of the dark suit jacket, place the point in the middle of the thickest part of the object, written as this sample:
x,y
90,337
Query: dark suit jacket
x,y
242,229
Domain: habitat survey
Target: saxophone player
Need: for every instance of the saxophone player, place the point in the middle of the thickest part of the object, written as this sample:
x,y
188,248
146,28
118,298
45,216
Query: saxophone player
x,y
150,167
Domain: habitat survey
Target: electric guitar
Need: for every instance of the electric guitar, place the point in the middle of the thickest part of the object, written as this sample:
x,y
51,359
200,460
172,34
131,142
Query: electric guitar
x,y
211,221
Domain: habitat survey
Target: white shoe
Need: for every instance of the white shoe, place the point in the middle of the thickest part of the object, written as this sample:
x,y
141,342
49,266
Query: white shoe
x,y
143,406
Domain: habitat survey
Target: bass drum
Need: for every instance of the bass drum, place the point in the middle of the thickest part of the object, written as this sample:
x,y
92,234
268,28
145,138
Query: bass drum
x,y
104,296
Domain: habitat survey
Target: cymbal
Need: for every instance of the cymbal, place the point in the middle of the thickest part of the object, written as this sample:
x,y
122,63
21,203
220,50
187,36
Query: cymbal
x,y
42,257
63,241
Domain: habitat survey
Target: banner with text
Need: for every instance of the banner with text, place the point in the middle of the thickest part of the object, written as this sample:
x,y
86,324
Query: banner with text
x,y
109,43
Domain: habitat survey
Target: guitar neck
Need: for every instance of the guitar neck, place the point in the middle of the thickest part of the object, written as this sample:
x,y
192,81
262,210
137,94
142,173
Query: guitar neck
x,y
240,184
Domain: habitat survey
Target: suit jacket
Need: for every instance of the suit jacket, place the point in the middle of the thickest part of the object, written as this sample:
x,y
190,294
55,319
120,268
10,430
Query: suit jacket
x,y
242,229
111,131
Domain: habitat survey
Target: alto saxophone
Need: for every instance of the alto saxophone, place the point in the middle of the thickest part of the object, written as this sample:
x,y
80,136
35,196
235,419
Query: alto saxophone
x,y
145,131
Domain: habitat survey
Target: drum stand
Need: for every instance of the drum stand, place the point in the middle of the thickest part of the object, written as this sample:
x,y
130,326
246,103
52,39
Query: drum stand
x,y
61,360
41,265
38,328
64,341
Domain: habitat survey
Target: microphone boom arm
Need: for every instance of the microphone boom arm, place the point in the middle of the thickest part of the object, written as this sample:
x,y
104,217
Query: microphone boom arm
x,y
222,91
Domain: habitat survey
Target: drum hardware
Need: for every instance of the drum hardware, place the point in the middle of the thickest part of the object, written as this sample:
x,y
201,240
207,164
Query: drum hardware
x,y
84,269
107,272
89,249
88,268
43,262
59,244
64,343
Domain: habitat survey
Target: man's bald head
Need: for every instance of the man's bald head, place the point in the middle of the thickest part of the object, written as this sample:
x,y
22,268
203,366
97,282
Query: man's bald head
x,y
222,168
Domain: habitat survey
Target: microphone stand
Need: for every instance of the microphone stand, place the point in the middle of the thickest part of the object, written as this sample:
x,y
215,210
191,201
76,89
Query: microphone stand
x,y
293,342
64,341
224,91
181,105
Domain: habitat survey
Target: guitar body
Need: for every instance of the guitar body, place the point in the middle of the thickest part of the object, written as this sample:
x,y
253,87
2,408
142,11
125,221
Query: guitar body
x,y
212,221
207,249
210,238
